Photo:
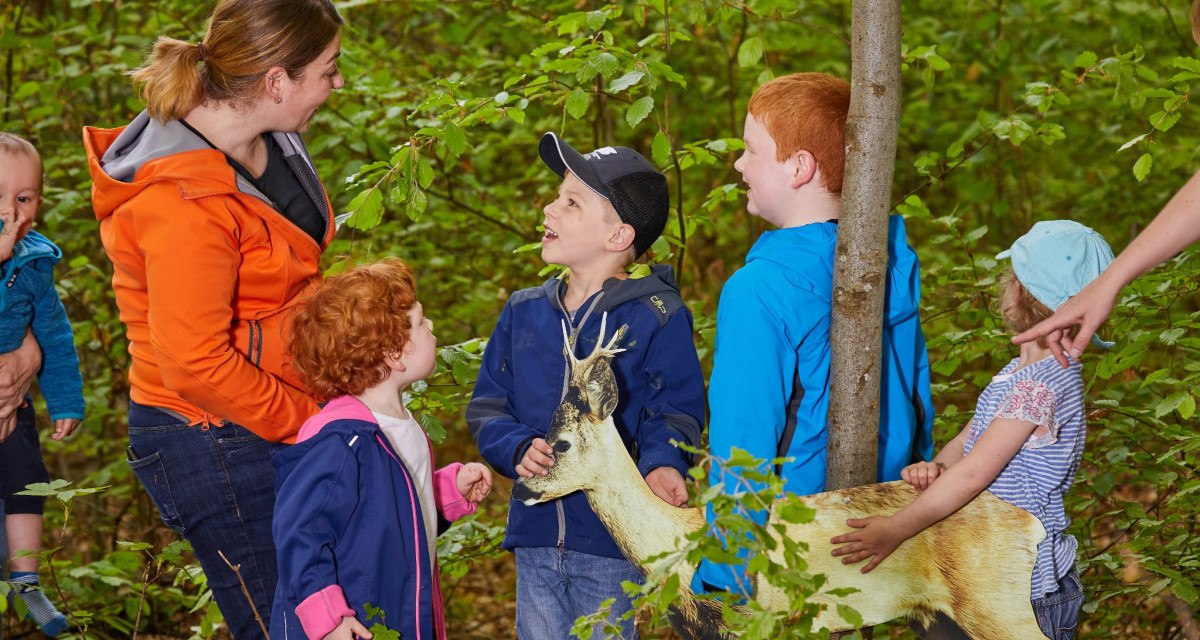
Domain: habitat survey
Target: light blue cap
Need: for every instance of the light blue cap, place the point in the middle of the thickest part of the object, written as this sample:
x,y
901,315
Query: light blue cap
x,y
1058,258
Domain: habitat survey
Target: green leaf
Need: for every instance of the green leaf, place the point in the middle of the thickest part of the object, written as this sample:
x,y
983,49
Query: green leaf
x,y
417,202
367,209
424,173
626,81
595,20
455,138
750,52
501,97
577,103
660,149
604,63
639,110
1085,60
1132,142
432,426
1141,168
1164,120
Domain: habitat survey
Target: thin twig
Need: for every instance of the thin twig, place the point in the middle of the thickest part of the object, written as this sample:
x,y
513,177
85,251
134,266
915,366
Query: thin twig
x,y
246,592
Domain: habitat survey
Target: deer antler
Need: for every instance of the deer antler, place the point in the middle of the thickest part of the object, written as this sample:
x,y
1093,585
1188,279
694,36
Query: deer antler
x,y
608,350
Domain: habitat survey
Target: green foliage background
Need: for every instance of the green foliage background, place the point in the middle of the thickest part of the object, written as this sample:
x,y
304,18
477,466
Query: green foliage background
x,y
1013,112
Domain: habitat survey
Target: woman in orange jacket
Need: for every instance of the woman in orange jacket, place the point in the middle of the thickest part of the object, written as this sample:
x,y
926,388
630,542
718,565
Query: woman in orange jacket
x,y
215,220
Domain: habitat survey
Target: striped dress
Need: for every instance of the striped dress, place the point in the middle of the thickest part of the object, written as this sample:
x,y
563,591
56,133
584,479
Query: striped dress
x,y
1038,477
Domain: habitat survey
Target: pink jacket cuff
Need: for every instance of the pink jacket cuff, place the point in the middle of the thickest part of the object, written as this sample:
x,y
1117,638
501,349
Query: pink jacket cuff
x,y
323,611
450,503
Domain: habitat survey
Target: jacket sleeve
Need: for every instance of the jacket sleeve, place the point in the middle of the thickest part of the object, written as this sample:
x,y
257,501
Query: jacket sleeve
x,y
502,440
748,393
192,256
313,508
451,504
674,405
60,380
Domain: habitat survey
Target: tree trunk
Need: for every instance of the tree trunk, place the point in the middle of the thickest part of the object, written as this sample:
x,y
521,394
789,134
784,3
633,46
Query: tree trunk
x,y
860,264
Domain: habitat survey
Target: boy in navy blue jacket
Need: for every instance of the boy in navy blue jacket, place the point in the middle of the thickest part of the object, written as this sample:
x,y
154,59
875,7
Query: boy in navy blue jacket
x,y
29,302
612,205
769,390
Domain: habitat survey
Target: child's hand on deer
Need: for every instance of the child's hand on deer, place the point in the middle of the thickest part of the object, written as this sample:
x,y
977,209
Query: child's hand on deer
x,y
666,483
877,537
921,474
63,427
349,629
538,459
474,481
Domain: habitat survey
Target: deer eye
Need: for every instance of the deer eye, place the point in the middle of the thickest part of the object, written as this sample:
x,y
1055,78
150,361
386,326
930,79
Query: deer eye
x,y
562,445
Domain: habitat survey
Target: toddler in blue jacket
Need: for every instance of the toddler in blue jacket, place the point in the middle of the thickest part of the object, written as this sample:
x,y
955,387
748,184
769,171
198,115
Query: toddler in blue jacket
x,y
611,206
769,390
29,303
359,503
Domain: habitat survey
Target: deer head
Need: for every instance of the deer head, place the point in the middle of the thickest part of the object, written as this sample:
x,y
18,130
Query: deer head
x,y
581,443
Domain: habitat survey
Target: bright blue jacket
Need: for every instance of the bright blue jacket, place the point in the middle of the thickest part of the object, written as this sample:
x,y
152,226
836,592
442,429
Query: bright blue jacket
x,y
521,383
348,530
28,300
769,390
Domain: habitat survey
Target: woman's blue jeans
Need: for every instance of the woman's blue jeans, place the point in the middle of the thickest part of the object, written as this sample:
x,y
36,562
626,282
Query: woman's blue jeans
x,y
215,486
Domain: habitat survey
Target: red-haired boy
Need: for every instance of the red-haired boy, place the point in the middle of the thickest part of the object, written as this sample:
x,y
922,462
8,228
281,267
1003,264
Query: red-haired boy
x,y
769,390
358,503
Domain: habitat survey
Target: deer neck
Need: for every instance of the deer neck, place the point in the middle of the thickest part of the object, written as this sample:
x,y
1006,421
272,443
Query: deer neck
x,y
642,525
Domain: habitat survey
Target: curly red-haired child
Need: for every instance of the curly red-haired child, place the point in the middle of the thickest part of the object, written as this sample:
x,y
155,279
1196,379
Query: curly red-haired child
x,y
358,504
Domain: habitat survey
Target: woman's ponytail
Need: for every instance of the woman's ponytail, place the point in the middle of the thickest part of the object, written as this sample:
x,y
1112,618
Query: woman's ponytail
x,y
170,81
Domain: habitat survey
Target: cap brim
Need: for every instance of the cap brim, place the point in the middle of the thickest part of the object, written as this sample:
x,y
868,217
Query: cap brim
x,y
562,157
1004,254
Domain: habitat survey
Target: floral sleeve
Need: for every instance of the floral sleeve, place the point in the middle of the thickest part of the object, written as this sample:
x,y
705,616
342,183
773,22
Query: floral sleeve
x,y
1031,401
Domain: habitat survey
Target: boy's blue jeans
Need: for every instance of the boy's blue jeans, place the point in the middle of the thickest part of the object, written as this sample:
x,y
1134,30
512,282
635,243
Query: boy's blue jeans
x,y
216,487
555,586
1057,614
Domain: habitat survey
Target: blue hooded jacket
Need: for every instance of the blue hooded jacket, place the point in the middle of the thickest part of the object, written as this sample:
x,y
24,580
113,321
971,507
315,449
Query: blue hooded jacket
x,y
28,300
769,390
348,530
522,381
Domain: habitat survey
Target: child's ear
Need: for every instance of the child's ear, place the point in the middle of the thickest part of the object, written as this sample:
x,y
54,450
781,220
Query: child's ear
x,y
621,238
804,168
394,361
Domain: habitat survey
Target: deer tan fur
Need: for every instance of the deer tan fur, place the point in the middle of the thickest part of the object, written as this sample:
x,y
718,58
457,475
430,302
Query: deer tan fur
x,y
975,566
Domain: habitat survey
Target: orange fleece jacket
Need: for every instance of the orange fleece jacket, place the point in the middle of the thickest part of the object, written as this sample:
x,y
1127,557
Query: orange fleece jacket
x,y
204,276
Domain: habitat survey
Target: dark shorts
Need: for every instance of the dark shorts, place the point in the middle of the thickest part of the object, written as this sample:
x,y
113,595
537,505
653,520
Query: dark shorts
x,y
21,464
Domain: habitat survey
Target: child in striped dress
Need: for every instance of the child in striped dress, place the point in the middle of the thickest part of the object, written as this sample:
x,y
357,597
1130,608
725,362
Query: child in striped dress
x,y
1025,441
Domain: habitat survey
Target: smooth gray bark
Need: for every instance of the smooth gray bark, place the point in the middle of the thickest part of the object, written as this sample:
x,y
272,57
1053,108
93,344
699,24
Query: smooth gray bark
x,y
860,263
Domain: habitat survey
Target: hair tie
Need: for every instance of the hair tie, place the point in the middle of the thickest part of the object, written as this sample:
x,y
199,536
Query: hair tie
x,y
203,53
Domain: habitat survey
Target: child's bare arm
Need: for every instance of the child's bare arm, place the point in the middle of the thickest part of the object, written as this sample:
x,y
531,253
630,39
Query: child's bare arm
x,y
878,536
922,474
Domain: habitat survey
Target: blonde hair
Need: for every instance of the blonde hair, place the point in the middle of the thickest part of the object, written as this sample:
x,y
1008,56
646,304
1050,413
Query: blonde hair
x,y
245,38
1020,310
14,145
1195,16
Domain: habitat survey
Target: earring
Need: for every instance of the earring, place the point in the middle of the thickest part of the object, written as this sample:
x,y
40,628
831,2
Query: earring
x,y
278,100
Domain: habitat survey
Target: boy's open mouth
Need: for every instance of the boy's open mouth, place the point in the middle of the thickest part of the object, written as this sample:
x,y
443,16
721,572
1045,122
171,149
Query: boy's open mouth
x,y
550,234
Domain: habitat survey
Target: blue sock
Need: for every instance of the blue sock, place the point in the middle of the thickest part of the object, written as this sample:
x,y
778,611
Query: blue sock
x,y
41,610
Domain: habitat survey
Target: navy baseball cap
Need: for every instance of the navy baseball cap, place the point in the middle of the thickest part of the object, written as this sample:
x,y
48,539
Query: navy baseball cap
x,y
637,190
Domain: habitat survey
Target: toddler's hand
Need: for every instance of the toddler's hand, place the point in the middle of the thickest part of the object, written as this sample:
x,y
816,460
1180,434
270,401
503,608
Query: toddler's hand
x,y
921,474
474,481
63,427
349,629
538,459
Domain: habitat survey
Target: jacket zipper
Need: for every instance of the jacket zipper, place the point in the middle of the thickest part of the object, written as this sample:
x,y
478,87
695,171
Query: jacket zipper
x,y
572,330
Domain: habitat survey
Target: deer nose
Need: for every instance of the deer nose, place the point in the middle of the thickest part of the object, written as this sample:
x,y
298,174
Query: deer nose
x,y
561,446
524,494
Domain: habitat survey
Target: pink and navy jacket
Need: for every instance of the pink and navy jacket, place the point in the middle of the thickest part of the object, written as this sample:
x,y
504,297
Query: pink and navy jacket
x,y
348,530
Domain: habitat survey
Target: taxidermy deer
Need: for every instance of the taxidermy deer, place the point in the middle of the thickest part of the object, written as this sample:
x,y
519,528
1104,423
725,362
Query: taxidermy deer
x,y
975,566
